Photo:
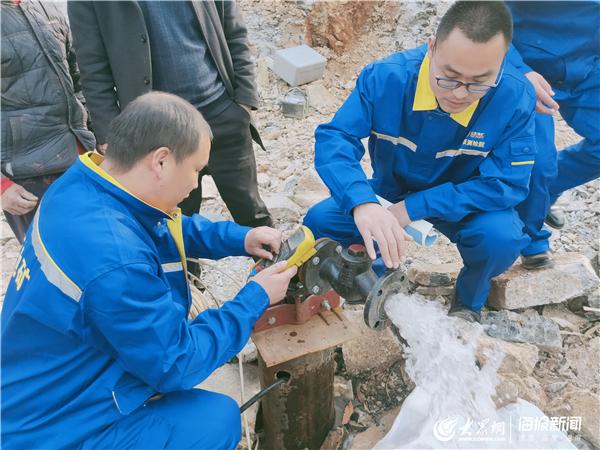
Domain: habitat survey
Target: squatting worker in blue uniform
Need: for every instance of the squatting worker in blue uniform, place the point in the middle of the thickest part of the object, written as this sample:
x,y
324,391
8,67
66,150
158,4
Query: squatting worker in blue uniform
x,y
451,140
557,46
97,351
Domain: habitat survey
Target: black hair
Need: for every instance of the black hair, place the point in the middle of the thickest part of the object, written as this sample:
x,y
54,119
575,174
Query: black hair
x,y
480,21
151,121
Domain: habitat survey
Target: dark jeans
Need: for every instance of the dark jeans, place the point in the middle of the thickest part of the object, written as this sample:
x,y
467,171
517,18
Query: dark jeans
x,y
231,164
37,186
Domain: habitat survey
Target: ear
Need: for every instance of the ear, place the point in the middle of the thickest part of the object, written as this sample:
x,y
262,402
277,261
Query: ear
x,y
160,160
430,46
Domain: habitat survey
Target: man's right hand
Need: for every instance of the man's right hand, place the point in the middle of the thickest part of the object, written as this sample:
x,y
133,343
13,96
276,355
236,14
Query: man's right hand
x,y
544,93
376,223
275,280
17,200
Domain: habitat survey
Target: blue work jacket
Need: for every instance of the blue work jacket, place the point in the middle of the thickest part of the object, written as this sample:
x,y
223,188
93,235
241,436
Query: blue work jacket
x,y
560,40
95,317
445,166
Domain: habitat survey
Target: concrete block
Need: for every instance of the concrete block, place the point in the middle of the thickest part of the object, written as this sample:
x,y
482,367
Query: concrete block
x,y
298,65
572,276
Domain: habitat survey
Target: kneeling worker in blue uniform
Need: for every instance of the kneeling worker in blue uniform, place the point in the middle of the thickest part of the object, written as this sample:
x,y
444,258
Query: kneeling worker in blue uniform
x,y
451,140
557,47
94,323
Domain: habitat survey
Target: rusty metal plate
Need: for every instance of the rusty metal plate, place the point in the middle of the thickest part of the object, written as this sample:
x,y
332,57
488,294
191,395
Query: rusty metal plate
x,y
284,343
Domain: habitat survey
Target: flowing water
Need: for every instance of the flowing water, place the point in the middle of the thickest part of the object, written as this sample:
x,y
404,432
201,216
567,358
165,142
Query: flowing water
x,y
452,404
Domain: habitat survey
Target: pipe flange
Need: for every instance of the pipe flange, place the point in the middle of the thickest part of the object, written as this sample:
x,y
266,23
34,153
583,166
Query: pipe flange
x,y
391,283
309,273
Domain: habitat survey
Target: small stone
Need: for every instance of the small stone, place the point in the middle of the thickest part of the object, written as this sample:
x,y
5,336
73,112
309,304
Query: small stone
x,y
263,179
555,387
270,133
343,388
335,439
433,274
572,276
320,99
282,207
513,327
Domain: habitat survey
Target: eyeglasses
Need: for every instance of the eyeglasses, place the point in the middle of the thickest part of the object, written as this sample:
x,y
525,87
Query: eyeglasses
x,y
474,88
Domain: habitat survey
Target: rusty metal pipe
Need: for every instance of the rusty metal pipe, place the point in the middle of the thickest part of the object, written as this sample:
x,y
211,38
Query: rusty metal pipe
x,y
300,413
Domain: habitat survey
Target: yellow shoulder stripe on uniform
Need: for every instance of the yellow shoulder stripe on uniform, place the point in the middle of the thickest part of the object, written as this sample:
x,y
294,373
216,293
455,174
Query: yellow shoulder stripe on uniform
x,y
521,163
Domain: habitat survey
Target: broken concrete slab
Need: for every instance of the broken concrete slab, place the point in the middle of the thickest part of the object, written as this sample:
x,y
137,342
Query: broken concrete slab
x,y
576,402
370,350
519,359
564,317
529,329
572,276
585,362
433,274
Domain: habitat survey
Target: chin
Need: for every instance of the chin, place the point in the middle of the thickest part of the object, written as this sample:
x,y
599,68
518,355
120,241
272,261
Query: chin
x,y
450,108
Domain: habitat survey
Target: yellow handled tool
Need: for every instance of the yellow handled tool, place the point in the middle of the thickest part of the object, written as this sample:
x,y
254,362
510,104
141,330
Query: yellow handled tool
x,y
296,250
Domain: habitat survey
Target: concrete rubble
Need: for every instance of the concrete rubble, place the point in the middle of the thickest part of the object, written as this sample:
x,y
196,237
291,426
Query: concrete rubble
x,y
530,329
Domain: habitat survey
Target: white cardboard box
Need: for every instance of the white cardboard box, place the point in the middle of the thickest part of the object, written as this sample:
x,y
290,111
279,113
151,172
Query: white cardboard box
x,y
298,65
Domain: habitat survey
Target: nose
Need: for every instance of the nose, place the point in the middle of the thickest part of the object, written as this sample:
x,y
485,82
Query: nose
x,y
460,92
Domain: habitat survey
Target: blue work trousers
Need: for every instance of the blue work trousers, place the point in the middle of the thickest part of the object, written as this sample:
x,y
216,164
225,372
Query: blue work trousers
x,y
489,242
576,164
193,419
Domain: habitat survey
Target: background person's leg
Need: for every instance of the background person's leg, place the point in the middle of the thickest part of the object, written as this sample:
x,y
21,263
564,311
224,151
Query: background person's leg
x,y
535,207
233,167
580,163
193,419
326,219
489,243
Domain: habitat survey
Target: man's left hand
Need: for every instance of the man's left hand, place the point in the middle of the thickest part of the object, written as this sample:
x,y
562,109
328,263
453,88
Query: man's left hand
x,y
400,213
259,238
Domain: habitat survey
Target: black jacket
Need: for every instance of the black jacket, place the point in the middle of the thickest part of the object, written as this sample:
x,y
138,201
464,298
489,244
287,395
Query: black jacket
x,y
42,110
113,52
